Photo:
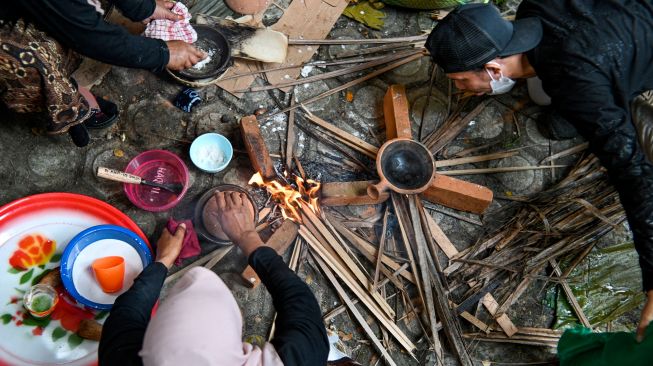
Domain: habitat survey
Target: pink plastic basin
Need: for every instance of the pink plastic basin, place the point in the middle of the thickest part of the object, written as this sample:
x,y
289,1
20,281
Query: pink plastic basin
x,y
158,166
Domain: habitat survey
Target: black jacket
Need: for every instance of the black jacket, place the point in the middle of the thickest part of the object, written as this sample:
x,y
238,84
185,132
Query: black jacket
x,y
300,337
77,25
594,59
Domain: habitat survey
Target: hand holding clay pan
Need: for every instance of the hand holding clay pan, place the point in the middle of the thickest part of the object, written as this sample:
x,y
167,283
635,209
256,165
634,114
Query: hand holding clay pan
x,y
216,47
206,212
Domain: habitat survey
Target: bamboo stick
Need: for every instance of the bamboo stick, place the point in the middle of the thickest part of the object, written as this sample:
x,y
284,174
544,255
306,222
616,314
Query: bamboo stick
x,y
475,159
352,308
507,169
365,41
369,76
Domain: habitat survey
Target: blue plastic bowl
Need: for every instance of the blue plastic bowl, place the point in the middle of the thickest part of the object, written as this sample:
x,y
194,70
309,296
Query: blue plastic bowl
x,y
206,141
88,237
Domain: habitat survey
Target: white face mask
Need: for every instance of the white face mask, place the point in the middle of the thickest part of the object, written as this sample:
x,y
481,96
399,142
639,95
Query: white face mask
x,y
501,85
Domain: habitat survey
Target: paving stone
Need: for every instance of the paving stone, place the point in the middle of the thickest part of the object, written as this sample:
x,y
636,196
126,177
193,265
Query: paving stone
x,y
434,115
305,91
368,101
111,155
52,164
488,124
520,182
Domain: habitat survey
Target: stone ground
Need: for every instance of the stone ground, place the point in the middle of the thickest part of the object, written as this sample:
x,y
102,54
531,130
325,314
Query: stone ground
x,y
31,163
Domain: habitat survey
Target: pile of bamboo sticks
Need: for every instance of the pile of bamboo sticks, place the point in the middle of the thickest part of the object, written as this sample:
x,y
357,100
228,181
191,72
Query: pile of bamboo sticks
x,y
561,224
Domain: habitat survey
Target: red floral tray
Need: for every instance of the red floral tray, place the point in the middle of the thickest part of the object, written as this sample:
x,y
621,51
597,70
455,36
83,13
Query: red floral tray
x,y
33,233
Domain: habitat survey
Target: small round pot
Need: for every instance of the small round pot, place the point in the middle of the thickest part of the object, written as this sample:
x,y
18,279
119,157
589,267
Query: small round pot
x,y
404,166
247,6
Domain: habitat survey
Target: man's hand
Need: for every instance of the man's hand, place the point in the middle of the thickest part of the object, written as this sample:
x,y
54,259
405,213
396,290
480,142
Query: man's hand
x,y
169,245
234,216
647,316
183,55
162,11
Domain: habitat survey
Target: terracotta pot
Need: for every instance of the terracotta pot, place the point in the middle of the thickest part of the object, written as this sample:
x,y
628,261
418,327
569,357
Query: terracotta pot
x,y
247,6
404,166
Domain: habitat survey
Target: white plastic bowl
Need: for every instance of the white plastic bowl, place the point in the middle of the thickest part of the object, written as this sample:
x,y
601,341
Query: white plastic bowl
x,y
206,141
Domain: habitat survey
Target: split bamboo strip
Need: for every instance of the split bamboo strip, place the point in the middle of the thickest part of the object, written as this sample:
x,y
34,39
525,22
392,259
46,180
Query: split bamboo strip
x,y
348,139
352,308
506,169
216,253
365,41
379,254
369,76
475,159
332,74
570,296
335,242
420,242
359,291
368,249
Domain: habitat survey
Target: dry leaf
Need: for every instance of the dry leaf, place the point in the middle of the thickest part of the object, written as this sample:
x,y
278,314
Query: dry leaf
x,y
349,96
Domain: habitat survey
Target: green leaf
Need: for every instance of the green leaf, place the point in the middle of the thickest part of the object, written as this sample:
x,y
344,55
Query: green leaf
x,y
42,266
55,258
6,318
13,270
74,340
101,315
38,277
24,278
20,290
36,322
58,333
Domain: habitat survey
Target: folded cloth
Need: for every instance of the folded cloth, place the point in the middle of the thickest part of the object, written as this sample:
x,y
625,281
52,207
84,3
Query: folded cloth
x,y
191,245
169,30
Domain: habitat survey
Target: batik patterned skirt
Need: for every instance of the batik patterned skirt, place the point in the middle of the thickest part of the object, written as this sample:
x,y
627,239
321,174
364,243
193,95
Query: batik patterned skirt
x,y
35,76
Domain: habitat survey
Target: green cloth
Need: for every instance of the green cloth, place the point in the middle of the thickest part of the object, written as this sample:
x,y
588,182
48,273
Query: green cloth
x,y
581,347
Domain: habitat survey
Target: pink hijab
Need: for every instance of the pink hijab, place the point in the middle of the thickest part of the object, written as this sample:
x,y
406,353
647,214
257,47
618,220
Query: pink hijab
x,y
199,323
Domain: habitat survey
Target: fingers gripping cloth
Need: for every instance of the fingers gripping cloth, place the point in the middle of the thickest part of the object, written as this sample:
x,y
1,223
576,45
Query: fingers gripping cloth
x,y
170,30
191,244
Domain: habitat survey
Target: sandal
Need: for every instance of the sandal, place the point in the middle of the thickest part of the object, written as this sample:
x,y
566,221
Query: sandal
x,y
104,117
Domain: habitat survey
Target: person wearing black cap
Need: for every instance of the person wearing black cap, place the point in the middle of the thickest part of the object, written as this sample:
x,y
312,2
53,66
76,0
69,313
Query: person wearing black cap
x,y
593,58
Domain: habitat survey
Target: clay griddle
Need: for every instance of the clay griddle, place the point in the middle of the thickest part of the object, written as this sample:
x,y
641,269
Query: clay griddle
x,y
206,214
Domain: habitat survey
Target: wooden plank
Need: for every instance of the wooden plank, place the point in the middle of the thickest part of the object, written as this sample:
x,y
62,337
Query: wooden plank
x,y
258,152
306,19
458,194
279,241
354,311
396,113
349,193
504,322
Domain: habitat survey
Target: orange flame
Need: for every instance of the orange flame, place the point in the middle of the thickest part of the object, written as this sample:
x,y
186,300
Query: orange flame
x,y
289,199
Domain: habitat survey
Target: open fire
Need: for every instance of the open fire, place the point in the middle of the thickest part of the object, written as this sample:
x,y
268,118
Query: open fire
x,y
289,198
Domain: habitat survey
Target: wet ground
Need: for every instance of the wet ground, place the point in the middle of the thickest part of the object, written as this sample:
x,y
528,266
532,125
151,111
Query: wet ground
x,y
31,162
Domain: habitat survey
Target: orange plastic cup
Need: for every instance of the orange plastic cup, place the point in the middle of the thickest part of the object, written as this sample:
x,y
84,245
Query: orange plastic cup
x,y
109,273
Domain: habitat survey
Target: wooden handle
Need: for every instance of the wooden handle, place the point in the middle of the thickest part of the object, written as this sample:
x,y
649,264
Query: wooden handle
x,y
117,175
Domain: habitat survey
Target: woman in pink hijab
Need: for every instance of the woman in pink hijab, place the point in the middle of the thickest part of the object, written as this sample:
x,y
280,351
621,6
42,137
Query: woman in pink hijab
x,y
199,323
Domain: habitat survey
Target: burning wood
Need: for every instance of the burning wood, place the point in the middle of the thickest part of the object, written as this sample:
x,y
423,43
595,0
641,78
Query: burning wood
x,y
291,199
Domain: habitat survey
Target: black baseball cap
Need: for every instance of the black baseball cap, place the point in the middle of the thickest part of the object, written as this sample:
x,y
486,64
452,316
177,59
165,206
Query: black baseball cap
x,y
474,34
